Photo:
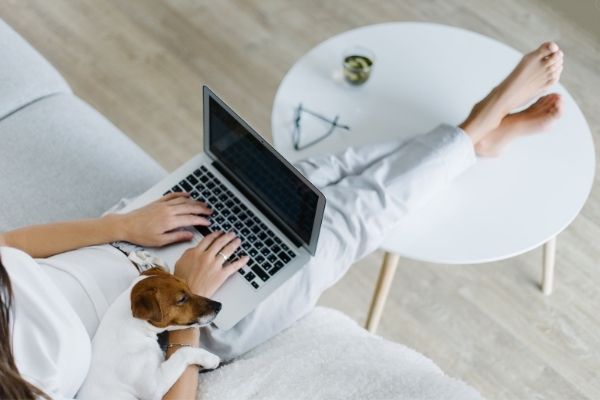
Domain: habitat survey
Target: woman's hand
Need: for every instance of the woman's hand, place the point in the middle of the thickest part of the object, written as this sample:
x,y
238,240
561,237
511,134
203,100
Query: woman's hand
x,y
204,267
155,224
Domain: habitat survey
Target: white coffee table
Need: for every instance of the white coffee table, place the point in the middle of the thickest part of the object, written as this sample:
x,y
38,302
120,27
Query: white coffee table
x,y
425,74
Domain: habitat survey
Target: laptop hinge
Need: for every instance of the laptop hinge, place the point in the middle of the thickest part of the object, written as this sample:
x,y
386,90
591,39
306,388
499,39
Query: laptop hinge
x,y
258,204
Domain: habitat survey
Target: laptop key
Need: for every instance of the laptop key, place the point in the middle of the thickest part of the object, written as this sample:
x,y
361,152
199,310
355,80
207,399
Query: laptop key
x,y
284,257
186,186
204,230
276,267
176,189
261,274
192,179
291,254
250,276
254,285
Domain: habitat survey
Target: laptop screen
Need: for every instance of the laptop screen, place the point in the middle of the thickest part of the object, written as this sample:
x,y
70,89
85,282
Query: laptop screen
x,y
283,194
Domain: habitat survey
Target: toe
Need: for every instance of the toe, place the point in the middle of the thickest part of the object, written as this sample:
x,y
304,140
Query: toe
x,y
554,58
546,49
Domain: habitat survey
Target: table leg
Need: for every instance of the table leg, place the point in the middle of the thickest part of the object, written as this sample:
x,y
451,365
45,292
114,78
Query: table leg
x,y
548,267
386,275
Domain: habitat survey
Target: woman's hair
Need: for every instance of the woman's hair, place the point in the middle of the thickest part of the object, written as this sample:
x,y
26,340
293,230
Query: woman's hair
x,y
12,385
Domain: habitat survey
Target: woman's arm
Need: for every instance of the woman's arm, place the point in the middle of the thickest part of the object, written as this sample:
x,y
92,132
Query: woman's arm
x,y
152,225
187,384
205,271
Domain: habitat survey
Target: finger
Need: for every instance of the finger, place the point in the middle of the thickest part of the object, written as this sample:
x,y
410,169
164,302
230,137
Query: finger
x,y
183,221
174,195
193,207
220,243
175,237
233,267
208,240
179,200
231,247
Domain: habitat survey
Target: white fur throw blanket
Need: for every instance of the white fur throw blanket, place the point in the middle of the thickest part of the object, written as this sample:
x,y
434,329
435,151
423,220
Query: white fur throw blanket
x,y
326,355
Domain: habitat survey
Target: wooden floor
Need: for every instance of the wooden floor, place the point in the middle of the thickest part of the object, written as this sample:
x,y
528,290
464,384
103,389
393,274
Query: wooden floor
x,y
142,64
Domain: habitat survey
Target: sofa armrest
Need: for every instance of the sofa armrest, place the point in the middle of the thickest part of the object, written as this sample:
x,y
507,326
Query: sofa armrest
x,y
25,76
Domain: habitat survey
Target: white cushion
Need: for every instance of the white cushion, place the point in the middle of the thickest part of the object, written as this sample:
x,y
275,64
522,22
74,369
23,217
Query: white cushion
x,y
326,355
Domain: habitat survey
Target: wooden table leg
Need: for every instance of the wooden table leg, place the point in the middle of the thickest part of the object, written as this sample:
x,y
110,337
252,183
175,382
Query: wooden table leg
x,y
386,275
548,267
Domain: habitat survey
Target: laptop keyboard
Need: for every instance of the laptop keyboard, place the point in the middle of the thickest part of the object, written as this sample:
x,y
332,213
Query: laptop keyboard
x,y
268,254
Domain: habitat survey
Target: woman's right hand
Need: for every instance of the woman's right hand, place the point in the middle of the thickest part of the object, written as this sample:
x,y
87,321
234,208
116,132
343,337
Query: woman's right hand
x,y
204,267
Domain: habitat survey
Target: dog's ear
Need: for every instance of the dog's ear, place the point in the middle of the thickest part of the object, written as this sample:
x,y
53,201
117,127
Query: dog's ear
x,y
155,271
145,305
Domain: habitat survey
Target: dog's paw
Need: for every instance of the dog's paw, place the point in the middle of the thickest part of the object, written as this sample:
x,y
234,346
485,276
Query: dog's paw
x,y
209,361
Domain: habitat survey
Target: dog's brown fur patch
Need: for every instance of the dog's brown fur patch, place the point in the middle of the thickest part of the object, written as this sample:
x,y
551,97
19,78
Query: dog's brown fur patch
x,y
163,299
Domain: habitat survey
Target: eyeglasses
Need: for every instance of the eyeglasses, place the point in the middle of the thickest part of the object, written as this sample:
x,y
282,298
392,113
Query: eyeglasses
x,y
297,131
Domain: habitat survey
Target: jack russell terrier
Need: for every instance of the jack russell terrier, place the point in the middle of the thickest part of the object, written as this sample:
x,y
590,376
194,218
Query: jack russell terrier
x,y
127,361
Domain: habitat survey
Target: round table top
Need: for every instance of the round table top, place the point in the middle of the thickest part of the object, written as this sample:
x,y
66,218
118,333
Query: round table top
x,y
425,74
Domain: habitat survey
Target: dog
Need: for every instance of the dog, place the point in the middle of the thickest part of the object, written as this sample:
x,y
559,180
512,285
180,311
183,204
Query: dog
x,y
127,361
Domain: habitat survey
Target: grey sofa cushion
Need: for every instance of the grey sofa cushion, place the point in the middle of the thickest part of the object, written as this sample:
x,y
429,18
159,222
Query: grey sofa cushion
x,y
25,75
60,159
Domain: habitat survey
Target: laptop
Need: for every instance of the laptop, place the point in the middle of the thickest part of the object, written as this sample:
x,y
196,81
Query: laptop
x,y
254,191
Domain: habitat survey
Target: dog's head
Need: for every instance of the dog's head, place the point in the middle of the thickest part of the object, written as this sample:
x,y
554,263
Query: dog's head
x,y
165,301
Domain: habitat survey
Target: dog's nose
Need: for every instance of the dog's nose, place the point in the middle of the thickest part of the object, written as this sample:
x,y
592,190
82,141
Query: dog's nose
x,y
217,306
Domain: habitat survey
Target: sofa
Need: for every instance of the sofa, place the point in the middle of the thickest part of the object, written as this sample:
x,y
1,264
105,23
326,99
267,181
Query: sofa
x,y
60,159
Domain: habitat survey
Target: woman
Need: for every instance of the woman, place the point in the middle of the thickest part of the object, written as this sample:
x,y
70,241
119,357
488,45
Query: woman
x,y
50,307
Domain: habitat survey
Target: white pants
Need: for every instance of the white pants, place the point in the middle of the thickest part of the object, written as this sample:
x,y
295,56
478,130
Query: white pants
x,y
368,190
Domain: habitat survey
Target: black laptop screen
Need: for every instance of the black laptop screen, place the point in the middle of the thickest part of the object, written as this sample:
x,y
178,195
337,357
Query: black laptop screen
x,y
268,178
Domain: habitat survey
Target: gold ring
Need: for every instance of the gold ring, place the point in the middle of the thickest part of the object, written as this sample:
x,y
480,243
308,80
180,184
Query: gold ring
x,y
223,255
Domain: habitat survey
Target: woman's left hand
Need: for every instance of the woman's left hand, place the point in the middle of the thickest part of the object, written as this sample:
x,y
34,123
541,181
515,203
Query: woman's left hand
x,y
156,224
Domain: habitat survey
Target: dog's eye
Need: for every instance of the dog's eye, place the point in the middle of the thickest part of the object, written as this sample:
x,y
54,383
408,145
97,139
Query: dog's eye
x,y
183,299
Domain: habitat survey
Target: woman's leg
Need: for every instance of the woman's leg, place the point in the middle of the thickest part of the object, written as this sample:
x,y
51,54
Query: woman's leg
x,y
360,210
363,207
327,169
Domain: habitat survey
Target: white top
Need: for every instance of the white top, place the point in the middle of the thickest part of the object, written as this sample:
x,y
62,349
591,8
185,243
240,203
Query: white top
x,y
51,347
425,74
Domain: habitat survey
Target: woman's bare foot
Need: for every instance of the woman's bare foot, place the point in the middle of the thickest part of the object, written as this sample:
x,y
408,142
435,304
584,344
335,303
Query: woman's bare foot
x,y
538,117
535,72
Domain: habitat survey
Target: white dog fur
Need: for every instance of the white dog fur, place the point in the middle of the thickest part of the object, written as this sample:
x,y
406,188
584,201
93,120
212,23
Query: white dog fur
x,y
128,363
